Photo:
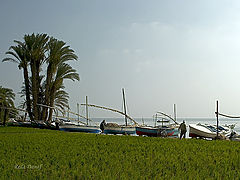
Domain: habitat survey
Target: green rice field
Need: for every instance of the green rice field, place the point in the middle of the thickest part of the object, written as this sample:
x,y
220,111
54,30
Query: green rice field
x,y
27,153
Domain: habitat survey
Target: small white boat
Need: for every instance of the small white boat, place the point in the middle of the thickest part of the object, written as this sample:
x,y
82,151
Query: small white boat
x,y
113,128
79,128
207,131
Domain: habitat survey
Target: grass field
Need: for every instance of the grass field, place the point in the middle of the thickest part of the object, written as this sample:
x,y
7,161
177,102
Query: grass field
x,y
27,153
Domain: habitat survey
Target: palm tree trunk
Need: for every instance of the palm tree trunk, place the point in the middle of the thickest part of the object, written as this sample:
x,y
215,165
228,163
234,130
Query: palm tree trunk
x,y
38,91
52,98
34,89
28,99
47,87
25,116
5,117
0,114
50,115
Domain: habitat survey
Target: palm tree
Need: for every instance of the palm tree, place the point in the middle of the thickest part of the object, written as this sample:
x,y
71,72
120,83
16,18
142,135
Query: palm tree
x,y
20,57
36,48
32,54
64,71
59,53
7,98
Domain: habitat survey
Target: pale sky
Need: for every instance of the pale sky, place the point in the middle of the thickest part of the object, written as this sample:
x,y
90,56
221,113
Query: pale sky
x,y
161,51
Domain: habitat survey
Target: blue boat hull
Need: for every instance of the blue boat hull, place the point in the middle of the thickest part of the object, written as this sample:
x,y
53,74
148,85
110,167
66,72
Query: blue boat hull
x,y
154,132
77,128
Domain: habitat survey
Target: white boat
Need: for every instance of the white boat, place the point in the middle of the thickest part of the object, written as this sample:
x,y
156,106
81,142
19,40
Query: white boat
x,y
120,130
207,130
113,128
79,128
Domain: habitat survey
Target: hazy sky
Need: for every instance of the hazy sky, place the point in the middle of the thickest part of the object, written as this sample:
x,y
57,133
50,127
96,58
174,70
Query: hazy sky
x,y
161,51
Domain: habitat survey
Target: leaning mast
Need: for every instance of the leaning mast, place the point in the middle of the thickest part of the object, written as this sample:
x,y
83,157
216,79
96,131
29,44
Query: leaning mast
x,y
124,105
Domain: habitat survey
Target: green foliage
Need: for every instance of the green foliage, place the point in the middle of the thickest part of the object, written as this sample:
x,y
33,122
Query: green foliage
x,y
28,153
36,52
7,98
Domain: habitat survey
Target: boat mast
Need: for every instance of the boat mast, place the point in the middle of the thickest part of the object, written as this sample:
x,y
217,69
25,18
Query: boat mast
x,y
155,120
142,120
87,109
68,114
124,104
217,118
78,112
175,112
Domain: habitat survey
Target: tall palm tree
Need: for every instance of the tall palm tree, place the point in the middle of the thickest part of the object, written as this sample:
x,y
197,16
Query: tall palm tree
x,y
64,71
7,98
20,57
59,53
31,55
36,48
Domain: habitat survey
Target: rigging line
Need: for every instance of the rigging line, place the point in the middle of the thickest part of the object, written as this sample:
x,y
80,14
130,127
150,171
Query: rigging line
x,y
168,117
228,116
127,108
70,119
80,116
114,110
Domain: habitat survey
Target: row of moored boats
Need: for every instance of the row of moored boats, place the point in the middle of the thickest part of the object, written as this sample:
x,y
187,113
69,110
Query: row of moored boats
x,y
113,128
170,130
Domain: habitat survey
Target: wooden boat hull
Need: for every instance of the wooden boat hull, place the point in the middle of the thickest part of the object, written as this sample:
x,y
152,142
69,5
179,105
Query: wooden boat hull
x,y
196,130
80,128
119,130
154,132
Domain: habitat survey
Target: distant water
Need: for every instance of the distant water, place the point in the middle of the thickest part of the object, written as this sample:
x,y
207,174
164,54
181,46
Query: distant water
x,y
151,122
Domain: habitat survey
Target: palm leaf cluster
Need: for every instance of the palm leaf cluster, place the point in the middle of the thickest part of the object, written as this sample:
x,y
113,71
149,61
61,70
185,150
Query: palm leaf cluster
x,y
33,54
7,98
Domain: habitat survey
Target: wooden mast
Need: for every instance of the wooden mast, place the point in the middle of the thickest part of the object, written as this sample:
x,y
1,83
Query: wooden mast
x,y
78,112
124,104
175,112
155,120
87,109
217,118
68,114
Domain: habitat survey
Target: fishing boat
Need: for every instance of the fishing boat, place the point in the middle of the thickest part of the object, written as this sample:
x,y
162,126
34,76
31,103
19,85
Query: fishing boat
x,y
163,130
208,131
80,126
157,131
114,128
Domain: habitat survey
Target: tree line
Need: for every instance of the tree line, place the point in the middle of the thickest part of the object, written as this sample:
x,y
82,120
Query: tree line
x,y
44,62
